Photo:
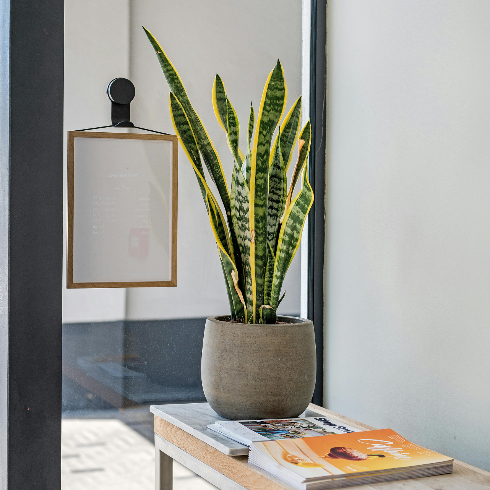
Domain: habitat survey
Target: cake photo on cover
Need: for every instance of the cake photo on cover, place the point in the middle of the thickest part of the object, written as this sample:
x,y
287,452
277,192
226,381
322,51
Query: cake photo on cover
x,y
335,453
376,455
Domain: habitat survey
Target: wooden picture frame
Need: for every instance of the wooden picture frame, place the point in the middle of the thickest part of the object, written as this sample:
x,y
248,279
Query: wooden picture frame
x,y
85,176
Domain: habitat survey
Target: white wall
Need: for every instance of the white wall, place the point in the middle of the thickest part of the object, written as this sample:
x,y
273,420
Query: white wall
x,y
408,255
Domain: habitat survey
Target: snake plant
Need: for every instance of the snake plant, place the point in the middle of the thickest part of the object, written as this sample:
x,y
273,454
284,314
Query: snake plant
x,y
260,230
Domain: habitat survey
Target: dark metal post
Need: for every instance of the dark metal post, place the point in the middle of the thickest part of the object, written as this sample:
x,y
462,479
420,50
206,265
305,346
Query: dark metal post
x,y
31,205
316,219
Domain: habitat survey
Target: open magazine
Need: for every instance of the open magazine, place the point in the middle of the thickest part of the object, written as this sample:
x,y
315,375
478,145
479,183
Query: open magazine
x,y
248,431
342,460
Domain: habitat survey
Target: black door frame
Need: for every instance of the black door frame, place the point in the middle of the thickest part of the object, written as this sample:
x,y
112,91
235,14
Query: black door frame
x,y
31,217
316,218
31,214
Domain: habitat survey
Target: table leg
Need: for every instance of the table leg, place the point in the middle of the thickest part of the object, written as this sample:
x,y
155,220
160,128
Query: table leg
x,y
163,470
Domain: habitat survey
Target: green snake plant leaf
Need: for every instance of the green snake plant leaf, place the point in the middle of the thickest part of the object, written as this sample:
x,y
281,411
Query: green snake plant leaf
x,y
251,124
235,296
246,168
222,106
290,236
231,277
228,291
269,275
277,195
247,161
304,149
206,148
239,212
184,132
281,298
187,140
219,225
208,152
218,222
219,102
267,314
233,132
289,131
270,112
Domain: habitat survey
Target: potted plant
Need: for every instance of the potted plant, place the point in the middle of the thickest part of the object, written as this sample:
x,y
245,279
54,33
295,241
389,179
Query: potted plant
x,y
254,363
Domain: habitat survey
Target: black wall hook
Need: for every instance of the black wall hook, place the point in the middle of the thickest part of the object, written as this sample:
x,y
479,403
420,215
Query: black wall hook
x,y
121,92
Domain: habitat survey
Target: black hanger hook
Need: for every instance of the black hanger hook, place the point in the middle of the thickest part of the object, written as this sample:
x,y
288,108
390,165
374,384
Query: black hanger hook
x,y
121,92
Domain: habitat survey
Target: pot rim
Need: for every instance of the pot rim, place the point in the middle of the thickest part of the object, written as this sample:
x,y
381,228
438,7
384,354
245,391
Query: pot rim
x,y
289,320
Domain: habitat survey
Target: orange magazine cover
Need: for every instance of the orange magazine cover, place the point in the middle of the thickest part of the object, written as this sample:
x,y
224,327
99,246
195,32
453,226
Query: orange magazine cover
x,y
343,454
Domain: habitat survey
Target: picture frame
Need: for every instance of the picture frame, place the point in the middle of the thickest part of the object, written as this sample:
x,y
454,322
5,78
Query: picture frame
x,y
122,210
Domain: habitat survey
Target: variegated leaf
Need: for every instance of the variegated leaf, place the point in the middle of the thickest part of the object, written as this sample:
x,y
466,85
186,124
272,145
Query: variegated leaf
x,y
219,102
228,291
267,314
230,272
281,298
269,275
289,132
229,268
206,147
233,132
271,109
240,212
184,132
187,140
277,195
304,149
219,225
290,236
246,166
251,124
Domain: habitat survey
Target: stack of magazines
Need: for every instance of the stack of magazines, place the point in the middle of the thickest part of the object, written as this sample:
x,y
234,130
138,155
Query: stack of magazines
x,y
317,453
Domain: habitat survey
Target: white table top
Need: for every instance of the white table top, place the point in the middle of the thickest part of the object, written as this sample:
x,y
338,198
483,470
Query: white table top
x,y
194,418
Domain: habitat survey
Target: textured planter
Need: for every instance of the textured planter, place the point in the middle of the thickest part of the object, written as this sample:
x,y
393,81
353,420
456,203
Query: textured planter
x,y
258,371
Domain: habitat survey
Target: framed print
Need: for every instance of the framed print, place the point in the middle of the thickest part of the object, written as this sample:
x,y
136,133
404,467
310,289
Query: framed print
x,y
122,210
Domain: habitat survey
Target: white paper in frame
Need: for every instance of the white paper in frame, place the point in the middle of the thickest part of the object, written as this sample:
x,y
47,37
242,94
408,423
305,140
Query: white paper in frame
x,y
122,210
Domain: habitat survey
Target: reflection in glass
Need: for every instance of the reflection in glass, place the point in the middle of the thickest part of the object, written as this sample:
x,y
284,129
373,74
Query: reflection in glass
x,y
124,349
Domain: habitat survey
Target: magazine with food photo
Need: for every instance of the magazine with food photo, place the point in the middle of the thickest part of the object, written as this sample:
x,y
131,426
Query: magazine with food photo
x,y
381,453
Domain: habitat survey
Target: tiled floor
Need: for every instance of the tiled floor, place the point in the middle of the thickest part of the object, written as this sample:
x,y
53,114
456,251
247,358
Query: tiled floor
x,y
105,454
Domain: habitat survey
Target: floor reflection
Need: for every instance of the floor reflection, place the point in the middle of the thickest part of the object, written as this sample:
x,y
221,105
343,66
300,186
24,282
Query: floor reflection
x,y
112,373
106,453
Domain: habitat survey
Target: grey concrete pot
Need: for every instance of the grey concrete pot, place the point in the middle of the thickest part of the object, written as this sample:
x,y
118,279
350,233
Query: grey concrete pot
x,y
258,371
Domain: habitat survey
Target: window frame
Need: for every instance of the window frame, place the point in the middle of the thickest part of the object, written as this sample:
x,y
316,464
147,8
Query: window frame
x,y
31,233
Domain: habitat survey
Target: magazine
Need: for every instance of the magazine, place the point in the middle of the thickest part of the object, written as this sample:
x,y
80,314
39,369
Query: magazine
x,y
248,431
347,459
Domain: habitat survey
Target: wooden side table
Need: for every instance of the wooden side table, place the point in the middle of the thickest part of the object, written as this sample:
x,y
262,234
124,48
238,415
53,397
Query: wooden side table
x,y
181,434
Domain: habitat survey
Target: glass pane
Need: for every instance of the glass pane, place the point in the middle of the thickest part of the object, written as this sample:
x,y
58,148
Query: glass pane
x,y
126,349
